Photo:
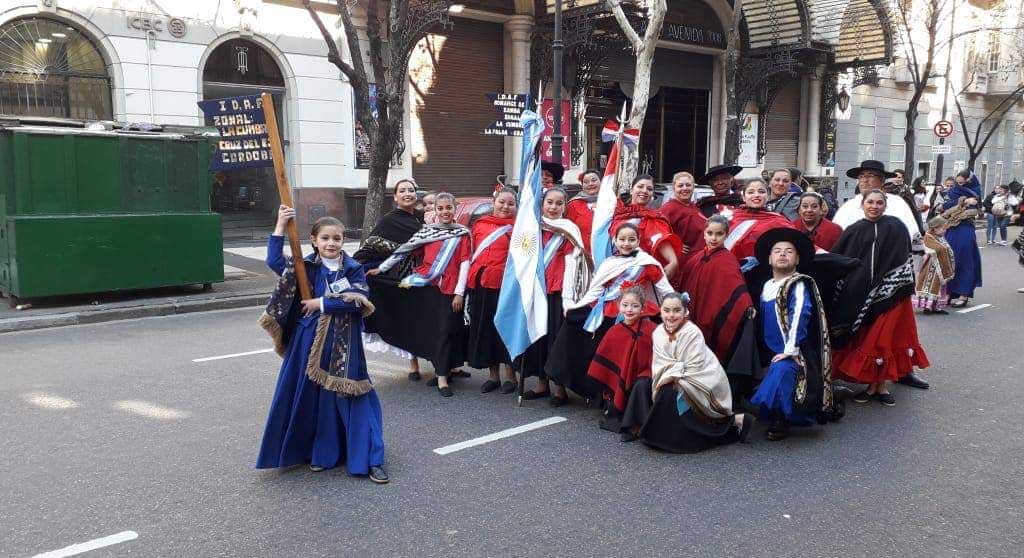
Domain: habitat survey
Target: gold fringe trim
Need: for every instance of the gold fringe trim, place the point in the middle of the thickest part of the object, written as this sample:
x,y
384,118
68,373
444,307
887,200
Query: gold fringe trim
x,y
344,386
270,325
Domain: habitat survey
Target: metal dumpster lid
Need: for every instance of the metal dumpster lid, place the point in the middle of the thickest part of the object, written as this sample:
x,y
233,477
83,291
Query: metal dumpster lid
x,y
61,126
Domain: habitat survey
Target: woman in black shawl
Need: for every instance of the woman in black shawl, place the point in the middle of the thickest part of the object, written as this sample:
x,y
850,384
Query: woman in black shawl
x,y
877,339
392,230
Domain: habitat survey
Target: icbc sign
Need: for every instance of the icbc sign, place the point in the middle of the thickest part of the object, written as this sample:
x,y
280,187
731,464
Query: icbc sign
x,y
943,128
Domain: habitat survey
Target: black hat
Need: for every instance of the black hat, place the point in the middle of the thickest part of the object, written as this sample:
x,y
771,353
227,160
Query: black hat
x,y
731,170
871,165
555,169
802,242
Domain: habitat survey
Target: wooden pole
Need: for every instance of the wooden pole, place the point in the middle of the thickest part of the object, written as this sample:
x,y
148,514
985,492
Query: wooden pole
x,y
285,190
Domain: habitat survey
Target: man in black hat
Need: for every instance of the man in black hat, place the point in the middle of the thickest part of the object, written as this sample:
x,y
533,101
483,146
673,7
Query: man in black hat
x,y
871,175
797,387
719,178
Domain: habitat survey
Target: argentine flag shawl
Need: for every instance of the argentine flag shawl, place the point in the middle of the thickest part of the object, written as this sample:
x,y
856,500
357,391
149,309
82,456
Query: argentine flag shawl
x,y
606,285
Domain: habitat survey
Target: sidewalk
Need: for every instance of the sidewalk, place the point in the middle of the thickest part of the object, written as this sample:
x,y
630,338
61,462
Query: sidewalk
x,y
247,282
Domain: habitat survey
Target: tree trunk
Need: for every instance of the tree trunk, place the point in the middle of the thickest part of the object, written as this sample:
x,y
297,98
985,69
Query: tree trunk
x,y
910,141
641,94
971,160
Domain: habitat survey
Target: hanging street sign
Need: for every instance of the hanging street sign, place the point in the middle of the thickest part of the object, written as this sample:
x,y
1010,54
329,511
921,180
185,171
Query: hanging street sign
x,y
943,128
510,106
243,132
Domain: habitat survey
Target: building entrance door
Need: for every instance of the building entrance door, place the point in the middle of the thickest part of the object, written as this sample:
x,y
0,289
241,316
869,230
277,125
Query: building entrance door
x,y
675,133
246,199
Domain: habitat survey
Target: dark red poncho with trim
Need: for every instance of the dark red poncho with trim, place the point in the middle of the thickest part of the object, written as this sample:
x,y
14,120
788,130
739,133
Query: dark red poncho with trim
x,y
623,356
719,299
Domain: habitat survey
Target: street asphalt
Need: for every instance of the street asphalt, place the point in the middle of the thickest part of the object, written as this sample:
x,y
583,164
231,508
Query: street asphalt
x,y
112,427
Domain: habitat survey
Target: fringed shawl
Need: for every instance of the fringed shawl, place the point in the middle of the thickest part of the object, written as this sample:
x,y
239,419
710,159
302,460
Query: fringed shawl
x,y
579,264
426,235
813,390
937,267
684,361
339,333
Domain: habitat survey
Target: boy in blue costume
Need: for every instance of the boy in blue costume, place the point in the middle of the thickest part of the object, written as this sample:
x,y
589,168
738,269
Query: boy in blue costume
x,y
325,410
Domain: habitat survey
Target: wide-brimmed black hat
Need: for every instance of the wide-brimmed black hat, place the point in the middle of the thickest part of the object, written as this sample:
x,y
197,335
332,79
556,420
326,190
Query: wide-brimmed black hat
x,y
802,242
871,165
731,170
555,169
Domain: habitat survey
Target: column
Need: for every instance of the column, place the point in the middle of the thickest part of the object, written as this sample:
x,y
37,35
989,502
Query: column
x,y
519,29
811,167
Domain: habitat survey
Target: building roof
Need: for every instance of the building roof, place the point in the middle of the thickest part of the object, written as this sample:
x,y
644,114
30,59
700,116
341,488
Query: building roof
x,y
857,31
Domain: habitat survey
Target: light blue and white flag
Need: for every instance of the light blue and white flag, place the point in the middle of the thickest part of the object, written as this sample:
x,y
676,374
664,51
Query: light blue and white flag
x,y
522,314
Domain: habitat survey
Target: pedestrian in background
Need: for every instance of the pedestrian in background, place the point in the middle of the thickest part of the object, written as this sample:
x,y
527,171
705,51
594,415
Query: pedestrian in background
x,y
960,208
936,269
997,215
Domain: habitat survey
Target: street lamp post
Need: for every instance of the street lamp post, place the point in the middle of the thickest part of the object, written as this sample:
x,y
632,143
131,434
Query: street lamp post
x,y
557,46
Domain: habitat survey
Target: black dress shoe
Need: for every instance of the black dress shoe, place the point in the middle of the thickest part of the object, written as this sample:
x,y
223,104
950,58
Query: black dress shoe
x,y
913,380
507,387
379,475
489,386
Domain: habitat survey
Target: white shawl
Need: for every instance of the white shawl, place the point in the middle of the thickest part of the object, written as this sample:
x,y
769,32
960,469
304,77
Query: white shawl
x,y
578,265
684,360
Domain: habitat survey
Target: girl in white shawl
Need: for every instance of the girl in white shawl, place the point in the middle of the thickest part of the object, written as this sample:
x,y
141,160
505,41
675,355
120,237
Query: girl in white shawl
x,y
567,268
686,406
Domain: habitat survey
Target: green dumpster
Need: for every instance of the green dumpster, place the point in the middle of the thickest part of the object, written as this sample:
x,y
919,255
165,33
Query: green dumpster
x,y
86,211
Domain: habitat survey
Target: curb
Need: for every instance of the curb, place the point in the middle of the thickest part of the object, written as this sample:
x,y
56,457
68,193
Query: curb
x,y
132,312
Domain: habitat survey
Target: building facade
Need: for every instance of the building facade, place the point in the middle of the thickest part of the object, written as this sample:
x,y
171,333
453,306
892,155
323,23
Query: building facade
x,y
984,70
146,62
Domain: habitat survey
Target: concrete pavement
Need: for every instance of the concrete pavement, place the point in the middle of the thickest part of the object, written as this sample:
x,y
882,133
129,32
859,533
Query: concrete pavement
x,y
112,427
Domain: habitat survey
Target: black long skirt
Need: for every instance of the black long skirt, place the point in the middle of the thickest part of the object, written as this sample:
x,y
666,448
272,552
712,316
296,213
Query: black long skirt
x,y
662,427
431,330
744,368
533,360
572,352
485,347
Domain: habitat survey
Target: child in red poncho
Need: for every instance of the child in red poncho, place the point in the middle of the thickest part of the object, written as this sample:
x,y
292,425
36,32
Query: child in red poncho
x,y
623,356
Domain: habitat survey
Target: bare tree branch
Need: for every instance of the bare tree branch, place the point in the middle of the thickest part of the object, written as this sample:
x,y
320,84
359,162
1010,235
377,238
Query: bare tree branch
x,y
627,28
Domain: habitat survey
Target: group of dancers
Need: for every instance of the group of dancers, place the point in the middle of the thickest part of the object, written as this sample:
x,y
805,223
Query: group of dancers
x,y
707,314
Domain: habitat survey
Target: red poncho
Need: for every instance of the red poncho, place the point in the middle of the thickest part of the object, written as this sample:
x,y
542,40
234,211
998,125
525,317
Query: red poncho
x,y
578,211
488,268
747,225
687,223
719,299
823,236
623,356
654,229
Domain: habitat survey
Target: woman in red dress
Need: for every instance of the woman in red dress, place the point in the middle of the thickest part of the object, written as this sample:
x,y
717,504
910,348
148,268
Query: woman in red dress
x,y
656,236
567,270
751,220
684,217
491,235
877,339
580,209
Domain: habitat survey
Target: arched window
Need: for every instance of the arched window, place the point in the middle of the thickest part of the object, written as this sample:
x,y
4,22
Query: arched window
x,y
48,68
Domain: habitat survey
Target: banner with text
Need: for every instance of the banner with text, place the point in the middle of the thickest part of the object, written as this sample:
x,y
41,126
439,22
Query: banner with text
x,y
243,140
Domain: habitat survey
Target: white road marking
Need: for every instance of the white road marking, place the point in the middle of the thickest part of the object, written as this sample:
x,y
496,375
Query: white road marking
x,y
233,355
151,410
499,435
81,548
973,308
48,400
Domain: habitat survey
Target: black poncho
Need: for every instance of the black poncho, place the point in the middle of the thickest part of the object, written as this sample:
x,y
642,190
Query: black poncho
x,y
885,279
